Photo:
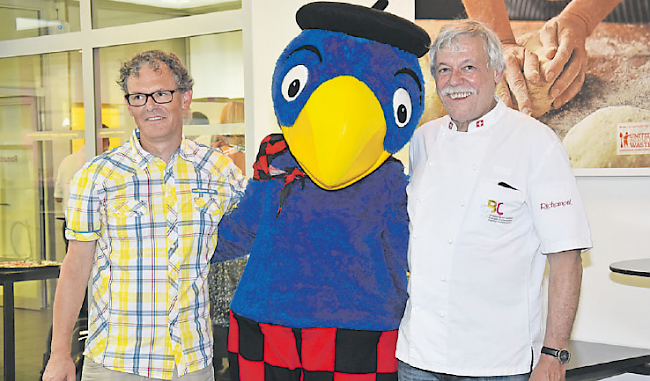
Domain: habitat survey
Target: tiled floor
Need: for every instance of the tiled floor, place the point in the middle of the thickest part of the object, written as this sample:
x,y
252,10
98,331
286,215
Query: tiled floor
x,y
32,328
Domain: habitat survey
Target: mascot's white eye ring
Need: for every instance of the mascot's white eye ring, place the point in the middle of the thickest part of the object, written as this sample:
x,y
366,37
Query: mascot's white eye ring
x,y
294,82
402,107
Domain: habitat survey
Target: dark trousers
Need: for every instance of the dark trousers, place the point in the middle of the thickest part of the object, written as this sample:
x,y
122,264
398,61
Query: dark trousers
x,y
220,348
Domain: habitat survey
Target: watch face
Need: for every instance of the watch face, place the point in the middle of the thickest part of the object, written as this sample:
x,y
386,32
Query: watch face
x,y
564,356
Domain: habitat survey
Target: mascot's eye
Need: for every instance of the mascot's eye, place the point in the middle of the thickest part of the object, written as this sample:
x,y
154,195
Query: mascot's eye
x,y
402,107
294,82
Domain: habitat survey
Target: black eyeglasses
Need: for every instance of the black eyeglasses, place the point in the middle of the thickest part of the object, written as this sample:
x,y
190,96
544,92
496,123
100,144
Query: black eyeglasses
x,y
160,97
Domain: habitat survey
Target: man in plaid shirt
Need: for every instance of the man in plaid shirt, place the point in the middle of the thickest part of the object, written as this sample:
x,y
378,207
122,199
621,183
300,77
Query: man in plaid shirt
x,y
141,221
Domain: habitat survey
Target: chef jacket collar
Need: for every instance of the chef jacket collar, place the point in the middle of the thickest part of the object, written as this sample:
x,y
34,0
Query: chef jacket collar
x,y
485,121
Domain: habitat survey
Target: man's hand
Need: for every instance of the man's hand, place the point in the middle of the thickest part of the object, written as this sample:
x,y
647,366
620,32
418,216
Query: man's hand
x,y
60,368
522,66
563,38
548,369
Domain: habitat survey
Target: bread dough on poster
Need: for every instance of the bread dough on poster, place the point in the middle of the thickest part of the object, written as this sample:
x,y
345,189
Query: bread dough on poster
x,y
592,143
433,108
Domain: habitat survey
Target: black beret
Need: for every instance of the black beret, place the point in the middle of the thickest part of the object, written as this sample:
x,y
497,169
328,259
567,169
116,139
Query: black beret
x,y
369,23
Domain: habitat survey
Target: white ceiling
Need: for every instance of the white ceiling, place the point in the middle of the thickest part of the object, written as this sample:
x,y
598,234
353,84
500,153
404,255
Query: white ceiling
x,y
174,4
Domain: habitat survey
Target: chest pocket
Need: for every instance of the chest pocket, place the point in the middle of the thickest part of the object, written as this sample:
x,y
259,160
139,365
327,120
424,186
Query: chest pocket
x,y
129,219
207,209
498,211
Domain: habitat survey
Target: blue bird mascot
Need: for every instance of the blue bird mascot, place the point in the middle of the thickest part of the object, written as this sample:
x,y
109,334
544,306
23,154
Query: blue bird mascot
x,y
324,218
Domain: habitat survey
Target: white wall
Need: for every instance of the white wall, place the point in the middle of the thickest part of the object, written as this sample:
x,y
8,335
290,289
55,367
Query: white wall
x,y
614,309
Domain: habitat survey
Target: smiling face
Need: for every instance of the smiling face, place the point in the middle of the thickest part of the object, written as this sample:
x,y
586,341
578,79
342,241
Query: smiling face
x,y
464,83
158,123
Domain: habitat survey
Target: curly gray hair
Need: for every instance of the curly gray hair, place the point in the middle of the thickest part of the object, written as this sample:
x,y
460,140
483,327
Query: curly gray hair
x,y
447,38
154,58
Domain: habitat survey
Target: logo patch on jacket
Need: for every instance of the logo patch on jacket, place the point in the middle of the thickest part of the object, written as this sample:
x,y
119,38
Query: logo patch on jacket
x,y
495,212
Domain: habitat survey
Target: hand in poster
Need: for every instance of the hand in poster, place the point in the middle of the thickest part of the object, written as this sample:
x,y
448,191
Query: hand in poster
x,y
522,65
563,38
563,41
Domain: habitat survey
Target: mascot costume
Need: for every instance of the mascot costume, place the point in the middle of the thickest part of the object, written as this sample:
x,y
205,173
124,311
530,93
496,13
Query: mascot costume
x,y
324,218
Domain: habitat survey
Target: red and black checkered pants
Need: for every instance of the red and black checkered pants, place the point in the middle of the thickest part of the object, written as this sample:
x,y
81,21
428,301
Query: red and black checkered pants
x,y
265,352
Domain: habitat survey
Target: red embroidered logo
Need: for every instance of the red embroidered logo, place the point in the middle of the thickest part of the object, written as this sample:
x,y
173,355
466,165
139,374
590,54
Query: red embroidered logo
x,y
553,204
479,123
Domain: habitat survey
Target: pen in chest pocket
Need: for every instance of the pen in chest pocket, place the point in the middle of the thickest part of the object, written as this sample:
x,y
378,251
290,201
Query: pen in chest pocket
x,y
506,185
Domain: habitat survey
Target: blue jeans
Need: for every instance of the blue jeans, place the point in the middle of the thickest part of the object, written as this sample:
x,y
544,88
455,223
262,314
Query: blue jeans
x,y
405,372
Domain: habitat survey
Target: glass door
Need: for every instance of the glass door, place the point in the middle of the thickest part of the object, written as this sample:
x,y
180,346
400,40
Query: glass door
x,y
20,212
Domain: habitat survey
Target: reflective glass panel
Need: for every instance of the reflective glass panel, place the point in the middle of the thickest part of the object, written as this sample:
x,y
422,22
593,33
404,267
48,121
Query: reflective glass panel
x,y
32,18
123,12
40,99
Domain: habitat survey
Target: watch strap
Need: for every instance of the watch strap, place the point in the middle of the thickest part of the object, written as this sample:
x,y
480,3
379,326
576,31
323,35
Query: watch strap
x,y
562,355
551,351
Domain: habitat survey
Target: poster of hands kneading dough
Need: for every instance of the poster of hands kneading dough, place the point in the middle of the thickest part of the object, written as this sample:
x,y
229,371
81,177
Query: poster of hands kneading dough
x,y
605,127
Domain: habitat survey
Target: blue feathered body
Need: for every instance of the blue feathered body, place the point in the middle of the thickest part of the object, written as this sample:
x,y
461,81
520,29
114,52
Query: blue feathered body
x,y
329,259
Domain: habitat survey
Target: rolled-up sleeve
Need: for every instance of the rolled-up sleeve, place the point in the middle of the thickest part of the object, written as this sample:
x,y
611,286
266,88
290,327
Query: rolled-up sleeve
x,y
83,217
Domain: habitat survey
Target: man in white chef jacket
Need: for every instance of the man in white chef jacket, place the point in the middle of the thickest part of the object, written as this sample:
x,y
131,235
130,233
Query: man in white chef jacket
x,y
491,198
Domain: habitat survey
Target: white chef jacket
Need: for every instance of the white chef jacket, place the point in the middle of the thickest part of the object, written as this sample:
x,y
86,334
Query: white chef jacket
x,y
484,207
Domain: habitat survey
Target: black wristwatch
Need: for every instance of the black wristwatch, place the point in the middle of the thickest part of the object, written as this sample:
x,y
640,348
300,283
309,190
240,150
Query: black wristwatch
x,y
563,355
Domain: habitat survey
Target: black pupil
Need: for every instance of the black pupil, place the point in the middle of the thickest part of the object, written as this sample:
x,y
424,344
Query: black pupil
x,y
401,113
294,87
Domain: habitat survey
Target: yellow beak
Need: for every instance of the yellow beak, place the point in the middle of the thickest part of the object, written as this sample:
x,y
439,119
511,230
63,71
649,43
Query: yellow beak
x,y
338,138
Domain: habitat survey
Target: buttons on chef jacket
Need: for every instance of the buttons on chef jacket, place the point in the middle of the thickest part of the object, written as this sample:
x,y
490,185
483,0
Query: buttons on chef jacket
x,y
450,241
475,168
462,203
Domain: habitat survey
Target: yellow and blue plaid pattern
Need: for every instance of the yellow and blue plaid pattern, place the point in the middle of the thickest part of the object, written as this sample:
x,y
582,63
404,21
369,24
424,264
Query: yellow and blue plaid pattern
x,y
155,226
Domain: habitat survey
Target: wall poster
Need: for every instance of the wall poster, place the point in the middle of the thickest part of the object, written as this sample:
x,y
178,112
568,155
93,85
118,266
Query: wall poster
x,y
606,126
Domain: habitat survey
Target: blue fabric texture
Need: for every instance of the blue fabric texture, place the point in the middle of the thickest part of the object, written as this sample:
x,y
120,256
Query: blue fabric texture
x,y
329,259
375,64
408,373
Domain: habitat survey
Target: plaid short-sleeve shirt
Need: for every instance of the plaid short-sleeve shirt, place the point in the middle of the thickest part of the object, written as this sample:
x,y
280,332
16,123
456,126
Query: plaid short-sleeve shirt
x,y
155,224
